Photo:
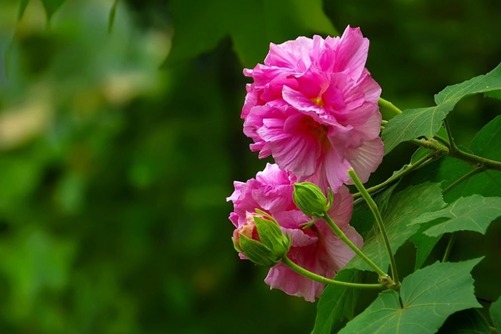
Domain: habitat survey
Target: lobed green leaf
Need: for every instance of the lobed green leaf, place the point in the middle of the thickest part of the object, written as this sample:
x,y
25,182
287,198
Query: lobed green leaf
x,y
407,206
424,246
332,306
415,123
448,170
473,213
427,297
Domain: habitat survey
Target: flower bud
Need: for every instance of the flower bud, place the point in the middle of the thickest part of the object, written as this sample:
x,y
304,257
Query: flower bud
x,y
310,199
261,240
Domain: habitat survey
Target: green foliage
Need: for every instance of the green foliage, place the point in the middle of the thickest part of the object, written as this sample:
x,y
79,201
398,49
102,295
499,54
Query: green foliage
x,y
50,6
466,322
473,213
22,8
252,25
448,170
334,306
414,123
495,313
112,15
425,300
406,206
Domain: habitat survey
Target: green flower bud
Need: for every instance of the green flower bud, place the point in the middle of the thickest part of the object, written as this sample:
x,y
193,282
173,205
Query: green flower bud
x,y
310,199
261,240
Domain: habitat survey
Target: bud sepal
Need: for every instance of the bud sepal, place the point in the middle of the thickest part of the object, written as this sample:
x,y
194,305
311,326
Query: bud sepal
x,y
311,200
261,240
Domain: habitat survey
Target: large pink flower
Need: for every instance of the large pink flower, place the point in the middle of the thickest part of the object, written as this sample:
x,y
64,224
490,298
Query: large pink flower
x,y
317,248
313,106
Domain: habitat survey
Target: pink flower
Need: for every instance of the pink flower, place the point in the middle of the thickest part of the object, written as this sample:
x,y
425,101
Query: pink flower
x,y
317,248
313,106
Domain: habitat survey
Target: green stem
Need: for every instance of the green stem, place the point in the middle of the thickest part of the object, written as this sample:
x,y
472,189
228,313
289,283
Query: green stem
x,y
481,161
385,104
404,171
442,146
354,247
474,171
452,238
457,153
306,273
452,143
441,140
448,249
379,221
431,144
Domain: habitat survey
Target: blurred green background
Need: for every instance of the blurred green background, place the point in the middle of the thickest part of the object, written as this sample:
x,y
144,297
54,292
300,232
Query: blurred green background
x,y
118,149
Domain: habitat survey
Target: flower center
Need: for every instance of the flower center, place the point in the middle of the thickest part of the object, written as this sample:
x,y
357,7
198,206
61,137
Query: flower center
x,y
318,101
313,127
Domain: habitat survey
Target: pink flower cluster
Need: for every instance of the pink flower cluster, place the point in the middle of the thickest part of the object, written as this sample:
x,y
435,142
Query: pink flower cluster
x,y
316,249
313,106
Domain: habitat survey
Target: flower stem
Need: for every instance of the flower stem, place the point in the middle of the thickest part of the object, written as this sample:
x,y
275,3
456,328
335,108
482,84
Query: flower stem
x,y
452,238
306,273
431,144
474,171
354,247
456,152
404,171
448,249
441,145
379,221
452,143
385,104
480,161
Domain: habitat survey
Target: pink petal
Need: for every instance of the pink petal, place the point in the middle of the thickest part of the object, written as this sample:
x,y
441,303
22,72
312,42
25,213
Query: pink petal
x,y
290,54
337,251
300,238
283,278
366,158
353,49
336,169
342,207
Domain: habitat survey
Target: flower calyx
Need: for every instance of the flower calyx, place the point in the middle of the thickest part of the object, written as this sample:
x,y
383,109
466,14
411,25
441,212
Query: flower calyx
x,y
261,240
310,199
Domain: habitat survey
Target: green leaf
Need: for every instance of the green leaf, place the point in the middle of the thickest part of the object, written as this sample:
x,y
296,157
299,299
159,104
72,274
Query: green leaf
x,y
41,263
494,94
331,307
424,245
363,219
495,313
473,213
448,170
22,7
466,322
427,297
407,205
414,123
51,6
251,25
